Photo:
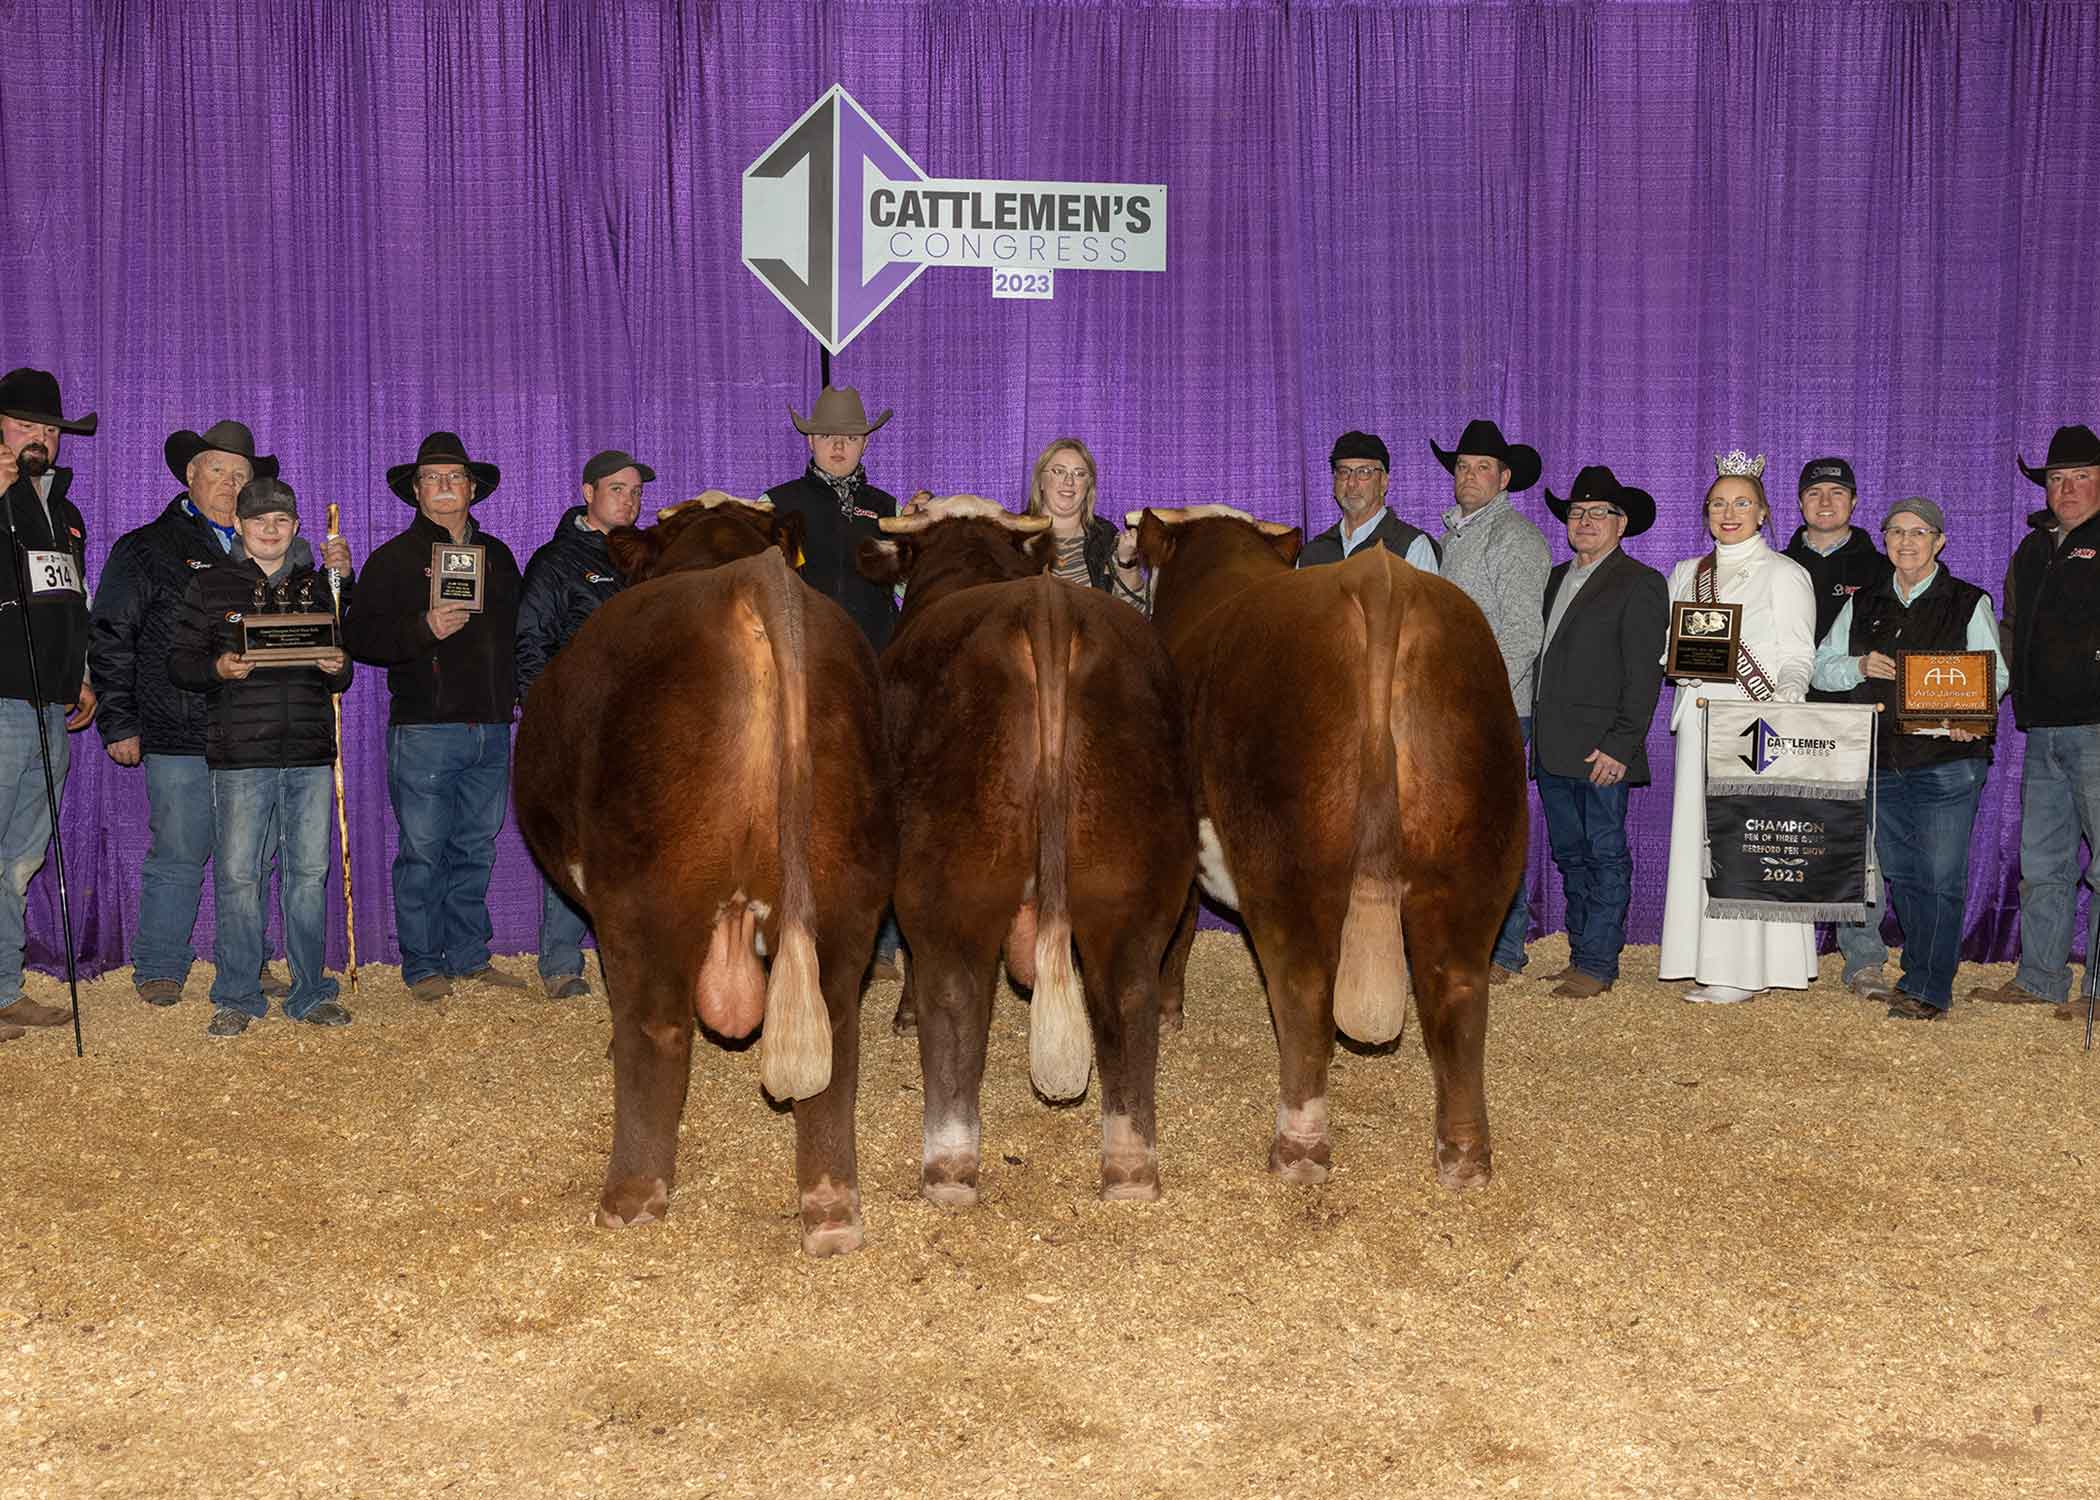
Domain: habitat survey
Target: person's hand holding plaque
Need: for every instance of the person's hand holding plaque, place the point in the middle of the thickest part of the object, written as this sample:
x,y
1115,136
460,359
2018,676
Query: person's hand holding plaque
x,y
232,667
446,619
330,664
1878,665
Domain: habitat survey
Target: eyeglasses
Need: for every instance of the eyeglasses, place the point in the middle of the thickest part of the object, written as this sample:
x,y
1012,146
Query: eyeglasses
x,y
1593,512
1739,502
435,480
1909,533
1358,474
1060,473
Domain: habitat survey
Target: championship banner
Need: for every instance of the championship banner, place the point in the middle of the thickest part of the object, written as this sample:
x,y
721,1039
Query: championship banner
x,y
1786,810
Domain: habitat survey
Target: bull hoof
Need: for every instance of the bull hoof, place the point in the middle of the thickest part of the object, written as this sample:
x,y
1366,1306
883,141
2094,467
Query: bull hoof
x,y
1302,1163
949,1185
1170,1020
832,1239
633,1201
1462,1167
906,1021
1130,1190
831,1220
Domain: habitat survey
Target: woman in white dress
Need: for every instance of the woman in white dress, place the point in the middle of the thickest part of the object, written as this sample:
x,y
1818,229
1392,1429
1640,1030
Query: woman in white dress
x,y
1735,959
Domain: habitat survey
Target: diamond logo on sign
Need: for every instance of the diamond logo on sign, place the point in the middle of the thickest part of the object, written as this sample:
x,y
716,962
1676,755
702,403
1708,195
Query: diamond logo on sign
x,y
838,221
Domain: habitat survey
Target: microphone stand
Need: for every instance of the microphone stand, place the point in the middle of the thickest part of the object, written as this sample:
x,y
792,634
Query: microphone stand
x,y
43,745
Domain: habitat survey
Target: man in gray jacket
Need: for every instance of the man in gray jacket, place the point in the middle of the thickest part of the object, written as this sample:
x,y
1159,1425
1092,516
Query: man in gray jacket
x,y
1501,562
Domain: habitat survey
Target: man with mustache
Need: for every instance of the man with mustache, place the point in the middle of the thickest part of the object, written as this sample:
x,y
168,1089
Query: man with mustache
x,y
43,606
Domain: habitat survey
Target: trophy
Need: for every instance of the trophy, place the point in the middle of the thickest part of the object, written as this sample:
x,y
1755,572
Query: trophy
x,y
1703,640
457,573
290,637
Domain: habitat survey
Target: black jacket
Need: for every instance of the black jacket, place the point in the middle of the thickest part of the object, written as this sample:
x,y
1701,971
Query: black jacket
x,y
1392,533
1937,620
275,716
2052,625
828,546
58,620
1854,566
569,576
1600,675
471,676
132,628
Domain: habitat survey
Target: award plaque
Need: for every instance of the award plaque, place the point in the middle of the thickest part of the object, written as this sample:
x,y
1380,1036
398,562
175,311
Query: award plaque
x,y
288,640
1946,690
1703,640
457,571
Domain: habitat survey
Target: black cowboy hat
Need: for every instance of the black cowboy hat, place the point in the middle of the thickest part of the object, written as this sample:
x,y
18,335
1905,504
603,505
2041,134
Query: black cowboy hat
x,y
221,437
1484,437
2071,448
1596,482
32,396
443,448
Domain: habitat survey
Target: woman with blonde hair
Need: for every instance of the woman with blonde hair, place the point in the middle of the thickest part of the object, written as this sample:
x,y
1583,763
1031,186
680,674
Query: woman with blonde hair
x,y
1090,552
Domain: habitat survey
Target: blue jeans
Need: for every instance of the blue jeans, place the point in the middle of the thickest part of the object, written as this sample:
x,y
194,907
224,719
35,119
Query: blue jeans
x,y
179,818
2059,797
562,928
1861,942
253,812
1925,819
1516,924
25,823
1587,827
448,784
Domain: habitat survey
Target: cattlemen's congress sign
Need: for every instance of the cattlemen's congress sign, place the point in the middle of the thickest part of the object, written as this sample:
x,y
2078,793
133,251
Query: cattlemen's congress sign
x,y
1786,810
838,221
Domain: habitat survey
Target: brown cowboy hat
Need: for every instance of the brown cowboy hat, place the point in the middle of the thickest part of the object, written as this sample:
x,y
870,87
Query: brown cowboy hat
x,y
32,396
221,437
443,448
839,410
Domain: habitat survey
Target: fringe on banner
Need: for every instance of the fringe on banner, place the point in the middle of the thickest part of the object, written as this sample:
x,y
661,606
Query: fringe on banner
x,y
1827,791
1780,911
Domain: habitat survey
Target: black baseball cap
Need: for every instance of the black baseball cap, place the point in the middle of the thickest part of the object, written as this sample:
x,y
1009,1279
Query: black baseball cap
x,y
1360,445
1826,471
612,461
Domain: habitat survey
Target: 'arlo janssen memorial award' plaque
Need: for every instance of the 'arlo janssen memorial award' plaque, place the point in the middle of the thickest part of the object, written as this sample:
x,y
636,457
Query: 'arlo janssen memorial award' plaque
x,y
1946,690
1703,640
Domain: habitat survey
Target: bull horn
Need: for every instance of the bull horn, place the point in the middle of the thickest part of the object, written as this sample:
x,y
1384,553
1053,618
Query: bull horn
x,y
1205,512
961,508
709,499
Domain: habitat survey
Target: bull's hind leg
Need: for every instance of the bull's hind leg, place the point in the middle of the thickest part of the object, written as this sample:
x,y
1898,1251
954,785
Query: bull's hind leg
x,y
1173,973
1301,1004
1447,949
826,1172
955,1017
1122,1001
652,1052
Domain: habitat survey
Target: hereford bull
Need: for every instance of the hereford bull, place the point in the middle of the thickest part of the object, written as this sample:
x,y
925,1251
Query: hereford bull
x,y
702,770
1360,786
1043,803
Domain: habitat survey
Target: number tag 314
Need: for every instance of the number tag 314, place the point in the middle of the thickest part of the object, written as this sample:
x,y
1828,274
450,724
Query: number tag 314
x,y
53,573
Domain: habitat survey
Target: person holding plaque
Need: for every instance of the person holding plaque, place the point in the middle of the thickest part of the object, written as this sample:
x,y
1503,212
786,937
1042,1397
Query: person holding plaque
x,y
256,638
1733,959
2052,633
1928,777
438,608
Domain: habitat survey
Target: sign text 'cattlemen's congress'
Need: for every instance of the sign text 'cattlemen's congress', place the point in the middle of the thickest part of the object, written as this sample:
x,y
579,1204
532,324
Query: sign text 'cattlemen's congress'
x,y
1055,225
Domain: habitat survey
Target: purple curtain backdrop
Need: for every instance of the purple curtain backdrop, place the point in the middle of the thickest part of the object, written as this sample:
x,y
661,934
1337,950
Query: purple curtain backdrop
x,y
1635,233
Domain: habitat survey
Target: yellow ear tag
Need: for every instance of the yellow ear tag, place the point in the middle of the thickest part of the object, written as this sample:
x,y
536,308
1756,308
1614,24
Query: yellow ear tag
x,y
799,558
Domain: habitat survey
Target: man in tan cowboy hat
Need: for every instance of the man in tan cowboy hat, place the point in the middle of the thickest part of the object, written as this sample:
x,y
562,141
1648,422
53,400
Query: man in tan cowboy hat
x,y
145,718
49,694
839,508
452,676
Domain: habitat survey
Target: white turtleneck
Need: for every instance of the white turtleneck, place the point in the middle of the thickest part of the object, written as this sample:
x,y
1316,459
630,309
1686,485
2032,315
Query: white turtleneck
x,y
1731,559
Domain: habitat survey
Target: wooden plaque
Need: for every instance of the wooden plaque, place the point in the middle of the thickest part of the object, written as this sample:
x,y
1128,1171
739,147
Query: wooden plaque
x,y
457,573
1947,690
288,640
1703,640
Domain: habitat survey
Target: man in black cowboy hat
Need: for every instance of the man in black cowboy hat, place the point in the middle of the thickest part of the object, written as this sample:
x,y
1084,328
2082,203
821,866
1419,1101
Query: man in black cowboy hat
x,y
48,556
145,717
570,576
452,677
2052,636
839,508
1359,463
1598,678
1500,560
1840,558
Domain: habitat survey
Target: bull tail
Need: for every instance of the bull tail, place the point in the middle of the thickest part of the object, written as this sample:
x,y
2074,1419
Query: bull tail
x,y
1370,984
795,1060
1060,1044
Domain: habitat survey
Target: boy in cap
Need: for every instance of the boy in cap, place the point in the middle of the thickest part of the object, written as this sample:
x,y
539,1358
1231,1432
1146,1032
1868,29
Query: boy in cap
x,y
269,741
569,576
1840,559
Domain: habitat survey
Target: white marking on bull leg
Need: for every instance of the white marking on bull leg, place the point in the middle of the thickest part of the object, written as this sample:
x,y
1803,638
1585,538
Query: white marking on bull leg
x,y
1129,1162
1210,866
576,875
1301,1149
948,1163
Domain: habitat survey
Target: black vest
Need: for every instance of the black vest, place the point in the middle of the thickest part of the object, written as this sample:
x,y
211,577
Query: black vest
x,y
1394,534
2054,605
1937,620
1837,577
